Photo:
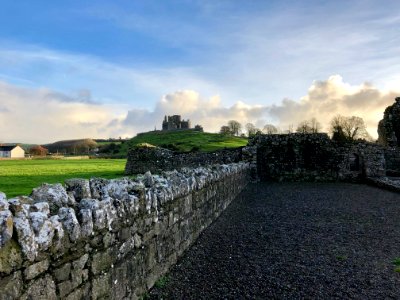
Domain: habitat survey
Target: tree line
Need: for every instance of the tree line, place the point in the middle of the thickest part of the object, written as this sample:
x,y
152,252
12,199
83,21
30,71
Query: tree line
x,y
342,128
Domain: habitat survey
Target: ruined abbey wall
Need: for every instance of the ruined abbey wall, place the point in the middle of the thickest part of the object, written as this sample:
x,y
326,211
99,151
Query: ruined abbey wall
x,y
108,239
313,157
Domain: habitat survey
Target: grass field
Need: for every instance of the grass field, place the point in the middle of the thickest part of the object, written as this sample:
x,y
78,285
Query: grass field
x,y
185,141
19,177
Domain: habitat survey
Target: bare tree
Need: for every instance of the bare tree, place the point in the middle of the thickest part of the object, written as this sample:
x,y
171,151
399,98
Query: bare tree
x,y
225,130
290,128
251,129
304,127
309,126
270,129
38,150
235,127
315,125
348,128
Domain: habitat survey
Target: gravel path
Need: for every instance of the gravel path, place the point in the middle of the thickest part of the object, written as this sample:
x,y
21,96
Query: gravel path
x,y
295,241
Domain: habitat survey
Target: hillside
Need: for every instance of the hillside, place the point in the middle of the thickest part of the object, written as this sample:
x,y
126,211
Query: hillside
x,y
186,140
72,146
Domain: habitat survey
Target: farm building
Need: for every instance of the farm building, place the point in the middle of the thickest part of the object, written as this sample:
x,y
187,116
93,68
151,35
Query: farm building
x,y
14,151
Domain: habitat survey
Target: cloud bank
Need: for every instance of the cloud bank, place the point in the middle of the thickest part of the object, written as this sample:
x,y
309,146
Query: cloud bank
x,y
42,115
324,100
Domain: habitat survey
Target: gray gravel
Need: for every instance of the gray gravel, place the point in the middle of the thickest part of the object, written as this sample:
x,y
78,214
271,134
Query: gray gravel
x,y
295,241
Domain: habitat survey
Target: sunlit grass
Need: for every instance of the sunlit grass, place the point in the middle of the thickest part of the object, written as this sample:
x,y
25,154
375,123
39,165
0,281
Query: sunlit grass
x,y
19,177
187,140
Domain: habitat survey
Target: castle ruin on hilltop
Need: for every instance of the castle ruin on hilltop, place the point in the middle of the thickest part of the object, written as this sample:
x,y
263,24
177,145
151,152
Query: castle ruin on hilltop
x,y
176,122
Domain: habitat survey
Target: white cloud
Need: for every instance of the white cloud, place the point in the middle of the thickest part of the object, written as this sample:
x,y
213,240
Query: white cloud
x,y
208,112
325,99
43,115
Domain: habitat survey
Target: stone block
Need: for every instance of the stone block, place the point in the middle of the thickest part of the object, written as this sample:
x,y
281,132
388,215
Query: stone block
x,y
3,201
97,188
36,269
42,288
54,194
127,247
11,286
138,240
76,278
20,205
121,282
26,236
85,275
70,223
43,229
86,222
80,188
101,287
65,288
75,295
60,241
10,257
102,261
42,207
108,239
80,263
6,227
62,273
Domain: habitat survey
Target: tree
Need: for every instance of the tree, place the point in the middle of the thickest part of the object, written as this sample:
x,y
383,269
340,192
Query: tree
x,y
304,127
270,129
309,126
235,127
251,129
315,125
38,150
225,130
347,129
290,129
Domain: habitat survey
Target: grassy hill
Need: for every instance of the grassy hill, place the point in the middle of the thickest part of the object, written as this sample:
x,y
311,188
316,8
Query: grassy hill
x,y
186,140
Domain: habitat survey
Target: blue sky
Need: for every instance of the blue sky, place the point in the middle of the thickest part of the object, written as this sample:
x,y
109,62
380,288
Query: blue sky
x,y
250,60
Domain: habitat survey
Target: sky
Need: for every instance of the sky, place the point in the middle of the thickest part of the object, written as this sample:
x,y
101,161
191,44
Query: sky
x,y
105,69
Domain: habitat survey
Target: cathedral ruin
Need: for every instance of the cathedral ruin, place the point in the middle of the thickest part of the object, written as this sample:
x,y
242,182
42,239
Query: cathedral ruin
x,y
176,122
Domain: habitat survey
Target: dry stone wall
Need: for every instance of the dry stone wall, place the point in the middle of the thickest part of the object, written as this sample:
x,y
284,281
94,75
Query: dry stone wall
x,y
108,239
156,160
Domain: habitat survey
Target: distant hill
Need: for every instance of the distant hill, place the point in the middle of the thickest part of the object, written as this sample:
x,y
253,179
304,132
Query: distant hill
x,y
81,146
185,141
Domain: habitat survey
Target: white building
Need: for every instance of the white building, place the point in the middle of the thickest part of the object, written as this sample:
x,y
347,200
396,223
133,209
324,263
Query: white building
x,y
12,151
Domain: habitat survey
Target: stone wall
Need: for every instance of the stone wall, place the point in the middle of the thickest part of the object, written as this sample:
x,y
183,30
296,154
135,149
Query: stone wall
x,y
389,126
107,239
312,157
156,160
392,158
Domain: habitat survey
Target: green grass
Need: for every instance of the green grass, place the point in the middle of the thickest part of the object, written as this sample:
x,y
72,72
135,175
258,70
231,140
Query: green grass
x,y
161,282
108,143
396,261
19,177
341,257
187,140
